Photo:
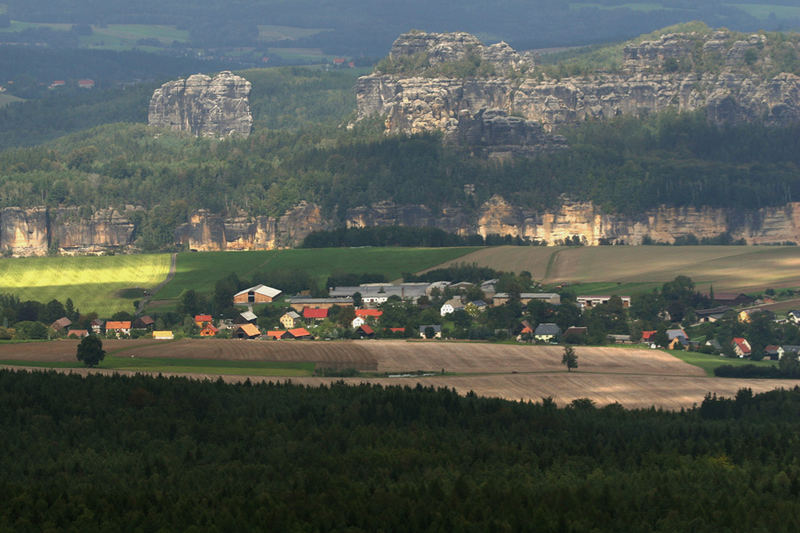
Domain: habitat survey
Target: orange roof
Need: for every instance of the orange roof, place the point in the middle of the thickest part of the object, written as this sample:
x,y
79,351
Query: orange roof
x,y
299,332
278,334
366,329
310,312
525,330
123,324
647,334
742,343
250,329
78,332
203,318
368,312
209,328
397,330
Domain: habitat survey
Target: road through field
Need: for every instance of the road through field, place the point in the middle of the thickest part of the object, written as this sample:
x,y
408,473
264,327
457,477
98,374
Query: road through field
x,y
631,377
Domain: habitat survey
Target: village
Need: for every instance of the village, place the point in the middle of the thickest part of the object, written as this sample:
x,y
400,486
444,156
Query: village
x,y
674,318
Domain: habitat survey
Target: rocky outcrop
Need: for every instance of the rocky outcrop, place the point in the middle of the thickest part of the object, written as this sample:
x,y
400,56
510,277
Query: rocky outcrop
x,y
495,133
657,75
203,106
206,231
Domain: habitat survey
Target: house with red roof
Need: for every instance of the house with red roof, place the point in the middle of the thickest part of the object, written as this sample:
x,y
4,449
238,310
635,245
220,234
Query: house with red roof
x,y
209,331
299,333
365,331
369,313
277,334
86,84
312,313
648,335
741,347
201,320
118,327
80,333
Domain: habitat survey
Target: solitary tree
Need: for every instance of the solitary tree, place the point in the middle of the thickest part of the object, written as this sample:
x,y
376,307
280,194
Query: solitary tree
x,y
90,350
570,358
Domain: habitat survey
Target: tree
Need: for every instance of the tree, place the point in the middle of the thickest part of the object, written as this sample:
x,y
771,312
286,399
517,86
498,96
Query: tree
x,y
357,299
90,351
570,358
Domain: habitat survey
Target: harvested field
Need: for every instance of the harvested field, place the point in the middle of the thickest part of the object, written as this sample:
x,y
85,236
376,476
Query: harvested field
x,y
631,377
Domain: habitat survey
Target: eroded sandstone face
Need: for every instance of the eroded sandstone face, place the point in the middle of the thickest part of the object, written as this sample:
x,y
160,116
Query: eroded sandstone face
x,y
203,105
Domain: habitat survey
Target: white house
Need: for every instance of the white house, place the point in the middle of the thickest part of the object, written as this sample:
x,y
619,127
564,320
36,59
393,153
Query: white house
x,y
451,306
358,322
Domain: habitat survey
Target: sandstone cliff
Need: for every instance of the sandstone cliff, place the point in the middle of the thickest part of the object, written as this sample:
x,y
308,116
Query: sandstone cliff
x,y
203,106
660,74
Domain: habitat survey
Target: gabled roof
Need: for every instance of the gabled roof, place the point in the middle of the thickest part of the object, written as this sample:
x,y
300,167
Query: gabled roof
x,y
146,320
366,329
436,328
526,330
120,324
674,333
260,289
78,332
648,333
277,334
719,310
299,332
397,330
310,312
547,328
576,330
291,314
210,327
478,303
368,312
248,315
203,318
250,329
61,323
742,343
772,348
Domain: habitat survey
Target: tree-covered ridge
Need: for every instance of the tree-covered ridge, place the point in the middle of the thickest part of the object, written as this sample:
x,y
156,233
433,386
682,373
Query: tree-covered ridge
x,y
156,453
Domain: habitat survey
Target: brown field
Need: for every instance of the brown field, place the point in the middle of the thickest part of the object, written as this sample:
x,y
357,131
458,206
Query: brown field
x,y
741,268
631,377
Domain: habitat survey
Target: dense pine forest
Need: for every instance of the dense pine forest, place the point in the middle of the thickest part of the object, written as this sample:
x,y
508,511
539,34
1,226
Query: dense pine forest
x,y
141,453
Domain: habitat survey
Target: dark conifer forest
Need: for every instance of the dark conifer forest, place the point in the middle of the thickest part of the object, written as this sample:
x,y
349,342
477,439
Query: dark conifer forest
x,y
146,454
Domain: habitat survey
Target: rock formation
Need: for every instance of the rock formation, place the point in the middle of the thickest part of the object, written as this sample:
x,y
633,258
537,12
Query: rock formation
x,y
657,75
203,106
495,133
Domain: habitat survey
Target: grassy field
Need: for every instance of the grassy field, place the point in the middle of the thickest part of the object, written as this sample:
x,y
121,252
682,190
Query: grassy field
x,y
632,269
91,282
709,362
200,271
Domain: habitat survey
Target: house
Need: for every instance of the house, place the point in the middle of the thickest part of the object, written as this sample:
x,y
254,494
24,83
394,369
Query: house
x,y
80,333
588,302
315,313
97,326
277,334
163,335
772,351
789,350
397,331
289,319
61,323
488,287
714,345
201,320
257,294
209,330
298,333
119,327
647,336
741,347
546,332
711,315
679,334
793,316
246,331
527,329
57,83
451,306
474,308
365,331
369,313
86,84
437,331
298,303
358,322
144,322
248,317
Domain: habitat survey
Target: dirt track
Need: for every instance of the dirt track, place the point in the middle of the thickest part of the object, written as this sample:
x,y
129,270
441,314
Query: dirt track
x,y
632,377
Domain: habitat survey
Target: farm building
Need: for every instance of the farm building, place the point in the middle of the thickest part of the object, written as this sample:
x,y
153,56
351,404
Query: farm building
x,y
119,327
525,298
298,333
96,326
298,303
277,334
427,328
144,322
312,313
588,302
246,331
201,320
80,333
741,347
365,331
711,315
257,294
61,323
369,313
248,317
546,332
377,293
163,335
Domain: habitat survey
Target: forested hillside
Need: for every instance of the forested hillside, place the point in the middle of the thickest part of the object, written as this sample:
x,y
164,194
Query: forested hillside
x,y
128,453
